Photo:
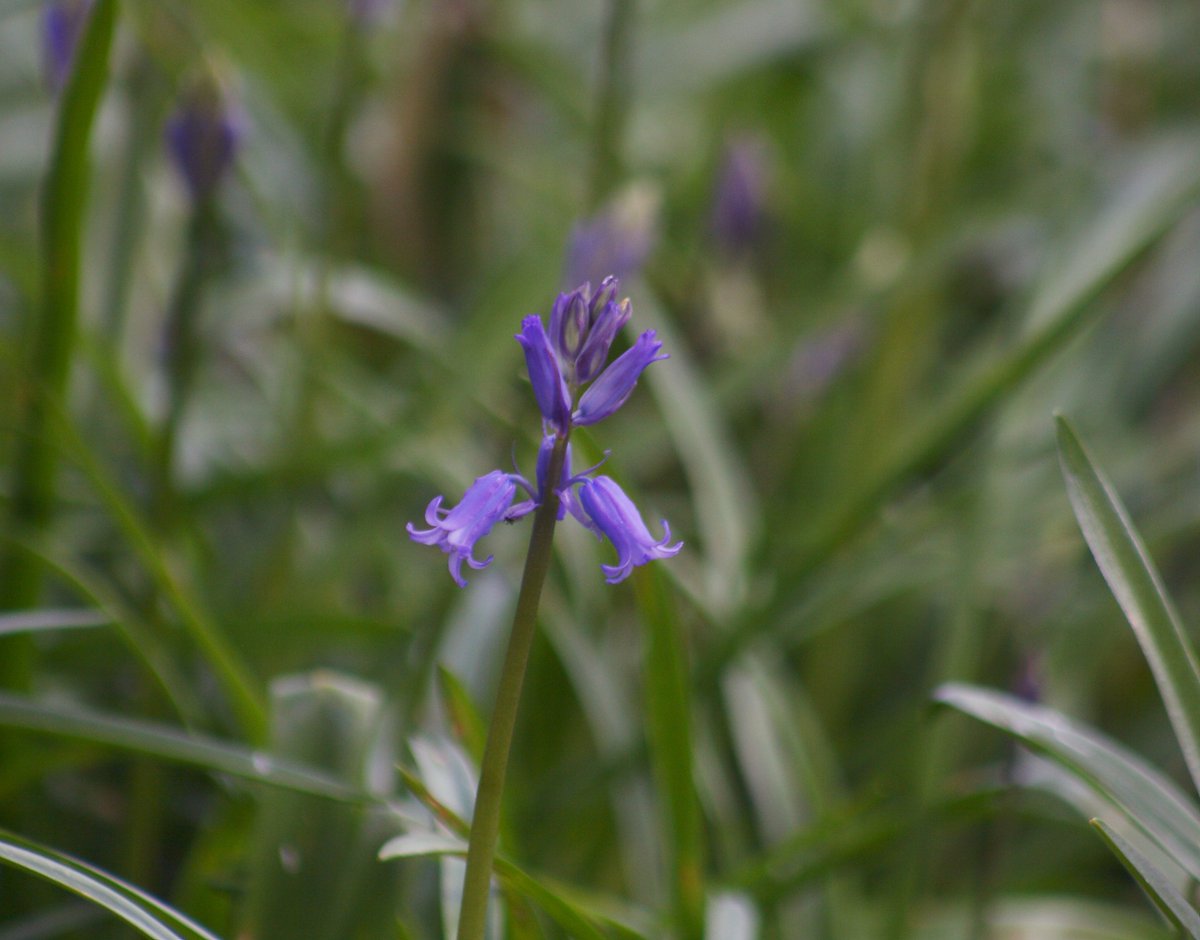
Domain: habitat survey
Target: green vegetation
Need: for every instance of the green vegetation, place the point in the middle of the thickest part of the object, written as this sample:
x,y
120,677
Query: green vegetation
x,y
261,264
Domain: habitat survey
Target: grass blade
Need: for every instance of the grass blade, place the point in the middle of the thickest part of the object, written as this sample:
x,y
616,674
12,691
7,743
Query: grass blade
x,y
668,711
723,501
554,899
36,621
126,902
1151,801
1126,565
1181,915
51,338
153,740
1160,191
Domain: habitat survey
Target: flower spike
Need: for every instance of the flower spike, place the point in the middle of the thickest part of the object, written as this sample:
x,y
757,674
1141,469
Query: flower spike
x,y
583,326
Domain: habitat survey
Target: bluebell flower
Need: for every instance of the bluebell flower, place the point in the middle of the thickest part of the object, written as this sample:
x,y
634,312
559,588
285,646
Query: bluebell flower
x,y
549,386
615,385
583,326
455,531
62,24
613,514
615,241
604,329
203,137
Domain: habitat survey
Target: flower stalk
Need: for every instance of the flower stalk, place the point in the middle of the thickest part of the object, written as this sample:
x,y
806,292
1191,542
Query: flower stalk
x,y
485,825
583,325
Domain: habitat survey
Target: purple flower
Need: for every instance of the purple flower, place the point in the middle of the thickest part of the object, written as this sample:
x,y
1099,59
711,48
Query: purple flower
x,y
583,326
565,500
615,241
605,327
455,531
549,386
203,137
613,514
739,203
610,391
62,25
364,13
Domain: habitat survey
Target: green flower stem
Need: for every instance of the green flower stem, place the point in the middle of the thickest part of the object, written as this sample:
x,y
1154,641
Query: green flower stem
x,y
51,338
183,352
485,825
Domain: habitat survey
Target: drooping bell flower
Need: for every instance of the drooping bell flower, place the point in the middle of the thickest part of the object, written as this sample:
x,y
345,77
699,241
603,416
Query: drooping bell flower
x,y
455,531
613,514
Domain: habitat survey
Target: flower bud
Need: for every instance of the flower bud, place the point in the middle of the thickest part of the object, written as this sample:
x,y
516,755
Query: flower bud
x,y
203,137
62,25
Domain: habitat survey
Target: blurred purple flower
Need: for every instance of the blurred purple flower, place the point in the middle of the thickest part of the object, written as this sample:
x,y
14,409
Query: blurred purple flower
x,y
62,25
739,202
203,137
616,241
367,12
1029,682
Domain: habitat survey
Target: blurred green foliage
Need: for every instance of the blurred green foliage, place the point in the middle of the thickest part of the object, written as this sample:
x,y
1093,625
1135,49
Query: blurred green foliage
x,y
965,216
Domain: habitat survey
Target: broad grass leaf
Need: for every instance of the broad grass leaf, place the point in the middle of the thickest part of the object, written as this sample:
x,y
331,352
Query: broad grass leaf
x,y
1158,888
1134,581
161,741
35,621
148,915
1151,801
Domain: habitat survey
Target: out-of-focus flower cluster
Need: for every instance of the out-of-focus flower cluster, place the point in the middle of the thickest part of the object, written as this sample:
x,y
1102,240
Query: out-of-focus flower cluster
x,y
561,362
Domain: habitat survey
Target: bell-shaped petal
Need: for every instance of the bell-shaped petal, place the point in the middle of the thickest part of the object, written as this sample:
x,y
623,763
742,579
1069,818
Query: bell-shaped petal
x,y
455,531
569,323
616,383
612,513
605,294
549,387
607,324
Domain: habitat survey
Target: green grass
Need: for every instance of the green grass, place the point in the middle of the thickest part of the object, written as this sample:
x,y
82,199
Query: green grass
x,y
230,679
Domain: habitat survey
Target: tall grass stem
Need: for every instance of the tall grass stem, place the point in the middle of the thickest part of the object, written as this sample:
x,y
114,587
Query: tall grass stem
x,y
52,335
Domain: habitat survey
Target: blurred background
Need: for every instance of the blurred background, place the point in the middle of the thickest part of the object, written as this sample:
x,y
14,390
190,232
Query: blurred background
x,y
259,310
